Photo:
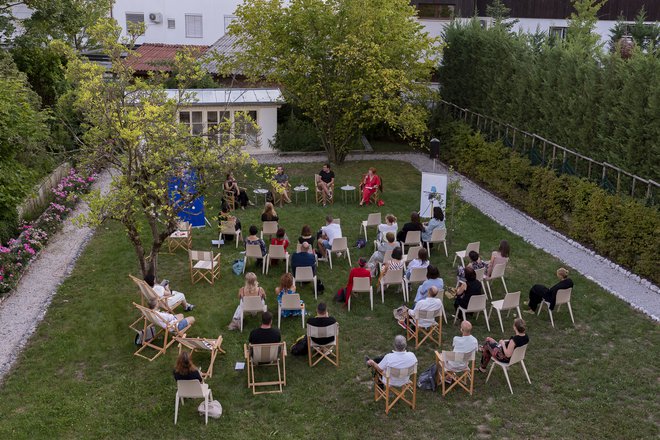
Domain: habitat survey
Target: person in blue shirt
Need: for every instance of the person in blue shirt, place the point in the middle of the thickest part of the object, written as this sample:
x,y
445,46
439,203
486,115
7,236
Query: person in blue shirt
x,y
433,279
304,258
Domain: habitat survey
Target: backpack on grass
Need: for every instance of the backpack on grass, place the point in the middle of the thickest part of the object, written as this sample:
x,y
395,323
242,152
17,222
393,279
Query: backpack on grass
x,y
150,333
426,380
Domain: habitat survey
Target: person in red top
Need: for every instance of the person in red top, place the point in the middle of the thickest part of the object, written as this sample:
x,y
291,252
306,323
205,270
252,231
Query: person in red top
x,y
280,238
369,185
357,272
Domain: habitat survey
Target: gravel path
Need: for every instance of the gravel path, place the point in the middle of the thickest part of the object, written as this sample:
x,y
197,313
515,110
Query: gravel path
x,y
641,294
25,308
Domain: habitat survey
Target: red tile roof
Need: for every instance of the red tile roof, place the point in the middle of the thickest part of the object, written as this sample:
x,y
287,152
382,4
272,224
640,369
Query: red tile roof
x,y
159,57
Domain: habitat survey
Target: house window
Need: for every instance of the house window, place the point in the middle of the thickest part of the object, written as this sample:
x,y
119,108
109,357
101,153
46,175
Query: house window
x,y
134,19
194,120
194,26
245,128
557,32
431,10
228,20
171,23
219,126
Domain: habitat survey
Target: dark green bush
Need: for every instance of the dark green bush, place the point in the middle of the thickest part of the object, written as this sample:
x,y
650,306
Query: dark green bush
x,y
296,134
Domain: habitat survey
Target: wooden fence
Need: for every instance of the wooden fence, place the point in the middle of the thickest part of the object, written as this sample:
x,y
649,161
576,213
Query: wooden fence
x,y
544,152
42,194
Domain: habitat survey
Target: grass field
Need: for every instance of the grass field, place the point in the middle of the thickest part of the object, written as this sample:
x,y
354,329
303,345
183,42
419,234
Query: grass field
x,y
78,377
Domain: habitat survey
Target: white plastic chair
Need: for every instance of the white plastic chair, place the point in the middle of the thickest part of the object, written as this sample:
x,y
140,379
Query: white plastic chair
x,y
511,301
362,284
387,257
268,229
413,238
413,252
192,389
498,272
229,228
462,254
339,244
438,236
254,251
518,356
373,219
563,297
291,301
251,304
417,276
306,274
277,252
476,304
393,277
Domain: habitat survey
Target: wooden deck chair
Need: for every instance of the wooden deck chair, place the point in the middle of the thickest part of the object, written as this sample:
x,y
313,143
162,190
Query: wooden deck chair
x,y
393,277
290,301
518,356
152,318
213,346
413,252
511,301
229,228
417,276
375,196
304,275
362,284
393,394
254,251
317,352
413,238
339,245
476,304
268,229
433,331
181,238
252,305
498,272
192,389
320,196
230,199
462,254
265,355
277,252
463,377
563,297
204,266
278,193
147,294
373,219
438,236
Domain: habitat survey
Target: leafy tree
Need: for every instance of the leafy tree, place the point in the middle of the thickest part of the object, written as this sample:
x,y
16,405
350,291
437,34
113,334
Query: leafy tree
x,y
582,23
131,127
347,64
645,35
500,14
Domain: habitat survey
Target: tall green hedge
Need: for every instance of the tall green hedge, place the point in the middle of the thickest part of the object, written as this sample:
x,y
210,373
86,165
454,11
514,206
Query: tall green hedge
x,y
621,229
588,100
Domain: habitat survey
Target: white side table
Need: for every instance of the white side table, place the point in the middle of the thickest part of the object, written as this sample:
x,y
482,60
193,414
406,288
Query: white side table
x,y
260,191
348,189
301,189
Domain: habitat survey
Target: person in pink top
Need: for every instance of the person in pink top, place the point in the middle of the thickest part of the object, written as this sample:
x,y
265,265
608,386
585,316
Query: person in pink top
x,y
370,184
501,255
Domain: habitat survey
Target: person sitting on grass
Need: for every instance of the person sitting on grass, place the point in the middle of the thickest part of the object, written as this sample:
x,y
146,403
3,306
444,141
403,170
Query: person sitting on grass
x,y
251,288
322,319
304,258
398,358
503,350
185,369
286,287
253,238
265,334
379,256
329,232
539,292
167,319
163,291
466,343
432,280
421,262
475,263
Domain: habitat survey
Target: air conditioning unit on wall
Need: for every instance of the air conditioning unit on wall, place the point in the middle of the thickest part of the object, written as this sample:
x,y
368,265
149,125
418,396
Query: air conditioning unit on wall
x,y
155,17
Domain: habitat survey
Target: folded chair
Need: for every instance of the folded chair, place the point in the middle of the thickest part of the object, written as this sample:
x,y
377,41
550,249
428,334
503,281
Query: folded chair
x,y
230,199
339,244
192,389
462,254
204,266
277,252
214,346
563,297
413,238
438,236
330,351
268,229
433,331
463,377
265,355
511,301
373,219
152,318
181,238
254,251
304,275
476,304
362,284
291,301
392,394
393,277
229,228
498,272
518,356
320,196
252,305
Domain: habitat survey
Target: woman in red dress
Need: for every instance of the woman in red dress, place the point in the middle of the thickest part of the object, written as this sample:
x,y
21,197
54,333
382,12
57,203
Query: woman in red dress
x,y
370,184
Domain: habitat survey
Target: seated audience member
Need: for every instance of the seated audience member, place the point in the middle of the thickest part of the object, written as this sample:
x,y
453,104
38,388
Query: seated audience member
x,y
437,222
432,280
395,263
357,272
269,214
280,238
329,232
466,343
304,258
503,350
185,369
251,288
370,184
307,237
415,224
470,287
379,256
322,319
421,262
539,292
431,303
282,179
239,193
253,238
501,255
286,287
325,182
475,263
163,291
225,216
398,358
265,334
389,226
167,319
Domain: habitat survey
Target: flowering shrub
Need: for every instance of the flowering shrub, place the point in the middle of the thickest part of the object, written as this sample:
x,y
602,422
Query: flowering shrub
x,y
19,252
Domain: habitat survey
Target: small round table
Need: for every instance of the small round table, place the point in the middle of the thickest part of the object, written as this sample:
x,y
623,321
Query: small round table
x,y
301,189
348,189
260,191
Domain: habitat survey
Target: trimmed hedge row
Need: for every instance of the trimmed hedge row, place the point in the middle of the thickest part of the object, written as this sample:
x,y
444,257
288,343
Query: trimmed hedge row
x,y
621,229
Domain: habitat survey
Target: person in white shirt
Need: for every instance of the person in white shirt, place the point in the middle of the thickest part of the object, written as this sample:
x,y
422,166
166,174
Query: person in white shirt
x,y
398,358
167,319
329,232
421,262
463,344
431,303
163,291
390,225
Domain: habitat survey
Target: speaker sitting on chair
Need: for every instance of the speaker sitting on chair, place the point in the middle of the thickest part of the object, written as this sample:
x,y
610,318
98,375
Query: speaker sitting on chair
x,y
435,149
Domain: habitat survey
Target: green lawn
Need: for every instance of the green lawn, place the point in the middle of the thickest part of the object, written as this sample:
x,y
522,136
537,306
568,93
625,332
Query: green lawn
x,y
78,377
